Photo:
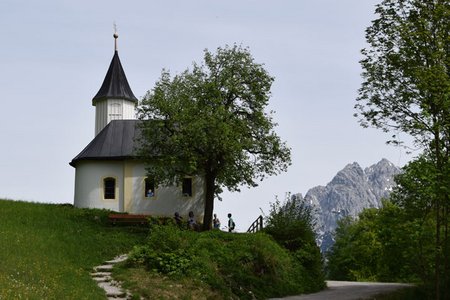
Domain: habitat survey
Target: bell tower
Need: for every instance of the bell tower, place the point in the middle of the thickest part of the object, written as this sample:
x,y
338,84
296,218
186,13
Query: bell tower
x,y
114,100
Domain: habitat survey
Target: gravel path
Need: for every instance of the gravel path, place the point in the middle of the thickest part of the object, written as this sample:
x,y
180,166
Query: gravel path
x,y
349,290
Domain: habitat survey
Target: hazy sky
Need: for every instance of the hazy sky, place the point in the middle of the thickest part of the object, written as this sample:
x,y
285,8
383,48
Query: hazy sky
x,y
54,56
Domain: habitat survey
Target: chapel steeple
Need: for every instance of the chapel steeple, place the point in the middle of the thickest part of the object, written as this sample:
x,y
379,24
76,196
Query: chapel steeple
x,y
114,100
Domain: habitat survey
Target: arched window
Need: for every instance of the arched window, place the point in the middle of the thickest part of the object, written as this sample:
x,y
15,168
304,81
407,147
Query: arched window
x,y
109,188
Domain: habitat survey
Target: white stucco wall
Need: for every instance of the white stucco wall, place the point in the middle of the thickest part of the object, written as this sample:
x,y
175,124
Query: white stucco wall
x,y
89,177
167,200
130,195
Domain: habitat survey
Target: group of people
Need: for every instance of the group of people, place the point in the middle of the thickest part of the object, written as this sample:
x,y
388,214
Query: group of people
x,y
192,224
231,224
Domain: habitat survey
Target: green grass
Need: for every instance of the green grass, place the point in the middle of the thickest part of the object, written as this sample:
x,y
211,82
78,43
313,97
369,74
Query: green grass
x,y
213,265
151,285
47,251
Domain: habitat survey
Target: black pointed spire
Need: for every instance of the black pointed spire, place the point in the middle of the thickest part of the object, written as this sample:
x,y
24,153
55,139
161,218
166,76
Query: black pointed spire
x,y
115,84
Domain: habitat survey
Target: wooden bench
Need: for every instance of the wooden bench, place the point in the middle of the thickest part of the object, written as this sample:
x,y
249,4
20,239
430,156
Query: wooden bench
x,y
127,219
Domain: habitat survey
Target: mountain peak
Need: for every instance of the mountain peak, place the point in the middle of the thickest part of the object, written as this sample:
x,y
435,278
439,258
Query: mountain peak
x,y
350,172
350,191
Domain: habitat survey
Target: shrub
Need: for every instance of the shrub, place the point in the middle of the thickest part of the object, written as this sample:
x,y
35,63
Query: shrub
x,y
236,265
291,225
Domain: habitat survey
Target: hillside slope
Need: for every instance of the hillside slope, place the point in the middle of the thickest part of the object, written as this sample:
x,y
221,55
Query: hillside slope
x,y
47,251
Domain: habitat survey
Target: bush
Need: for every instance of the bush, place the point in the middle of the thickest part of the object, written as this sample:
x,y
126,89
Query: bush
x,y
236,265
291,225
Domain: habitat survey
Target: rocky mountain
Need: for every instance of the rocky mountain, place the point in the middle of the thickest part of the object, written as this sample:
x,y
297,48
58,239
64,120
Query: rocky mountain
x,y
348,193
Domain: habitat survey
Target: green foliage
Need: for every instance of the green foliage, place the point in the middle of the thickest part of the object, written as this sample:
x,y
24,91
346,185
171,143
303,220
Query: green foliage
x,y
381,245
47,251
355,254
406,89
398,242
211,121
417,193
416,187
154,286
235,265
406,79
291,225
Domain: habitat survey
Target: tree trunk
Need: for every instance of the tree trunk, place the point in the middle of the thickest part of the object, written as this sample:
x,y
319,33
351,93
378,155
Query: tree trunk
x,y
439,205
446,205
210,181
445,249
437,262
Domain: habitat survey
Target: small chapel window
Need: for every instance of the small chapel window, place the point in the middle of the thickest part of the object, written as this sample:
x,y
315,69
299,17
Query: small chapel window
x,y
149,189
109,188
186,188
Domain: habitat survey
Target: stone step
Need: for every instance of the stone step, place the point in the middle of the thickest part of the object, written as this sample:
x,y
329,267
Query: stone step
x,y
118,259
104,268
112,291
100,274
102,279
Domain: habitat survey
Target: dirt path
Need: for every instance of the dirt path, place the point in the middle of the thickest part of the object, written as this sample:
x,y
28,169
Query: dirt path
x,y
348,290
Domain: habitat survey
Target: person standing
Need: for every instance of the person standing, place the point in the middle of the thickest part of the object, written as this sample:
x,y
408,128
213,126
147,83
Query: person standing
x,y
231,224
216,222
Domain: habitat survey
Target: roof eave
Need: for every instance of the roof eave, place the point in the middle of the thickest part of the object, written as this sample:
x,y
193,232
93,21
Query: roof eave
x,y
103,98
74,162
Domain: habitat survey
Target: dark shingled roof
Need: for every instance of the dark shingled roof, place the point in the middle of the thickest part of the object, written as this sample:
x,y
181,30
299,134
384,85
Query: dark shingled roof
x,y
116,141
115,84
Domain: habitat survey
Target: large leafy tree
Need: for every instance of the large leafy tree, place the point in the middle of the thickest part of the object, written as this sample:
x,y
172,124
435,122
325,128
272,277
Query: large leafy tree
x,y
406,88
210,121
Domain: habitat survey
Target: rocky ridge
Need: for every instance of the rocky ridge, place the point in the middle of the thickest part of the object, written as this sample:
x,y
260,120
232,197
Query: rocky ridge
x,y
347,194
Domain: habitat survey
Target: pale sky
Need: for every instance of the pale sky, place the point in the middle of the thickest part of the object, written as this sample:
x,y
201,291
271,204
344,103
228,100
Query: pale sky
x,y
54,56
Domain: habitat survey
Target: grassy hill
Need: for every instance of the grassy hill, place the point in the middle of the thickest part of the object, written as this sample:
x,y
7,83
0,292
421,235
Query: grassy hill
x,y
182,264
47,251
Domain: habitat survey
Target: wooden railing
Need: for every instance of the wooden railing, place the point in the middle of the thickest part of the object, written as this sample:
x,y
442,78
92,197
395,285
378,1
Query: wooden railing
x,y
257,225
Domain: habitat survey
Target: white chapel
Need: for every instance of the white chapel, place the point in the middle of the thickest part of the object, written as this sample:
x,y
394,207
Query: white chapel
x,y
109,175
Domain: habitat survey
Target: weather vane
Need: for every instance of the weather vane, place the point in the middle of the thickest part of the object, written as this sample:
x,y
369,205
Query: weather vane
x,y
115,35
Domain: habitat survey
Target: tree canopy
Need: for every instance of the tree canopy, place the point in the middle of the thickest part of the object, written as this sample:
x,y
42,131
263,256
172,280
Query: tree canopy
x,y
406,88
406,73
385,244
210,121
